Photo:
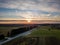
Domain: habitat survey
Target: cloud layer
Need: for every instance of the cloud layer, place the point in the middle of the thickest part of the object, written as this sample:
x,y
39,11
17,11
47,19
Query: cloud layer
x,y
34,9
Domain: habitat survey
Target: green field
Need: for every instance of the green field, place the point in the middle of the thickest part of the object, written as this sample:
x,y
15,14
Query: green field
x,y
45,31
46,35
42,35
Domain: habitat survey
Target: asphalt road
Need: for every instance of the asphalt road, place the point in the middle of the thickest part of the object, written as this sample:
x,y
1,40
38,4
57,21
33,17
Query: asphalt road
x,y
11,38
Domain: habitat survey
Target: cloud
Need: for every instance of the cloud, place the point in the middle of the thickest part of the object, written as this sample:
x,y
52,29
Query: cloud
x,y
46,5
41,9
30,15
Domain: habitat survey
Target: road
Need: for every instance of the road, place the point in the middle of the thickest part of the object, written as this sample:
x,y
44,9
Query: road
x,y
11,38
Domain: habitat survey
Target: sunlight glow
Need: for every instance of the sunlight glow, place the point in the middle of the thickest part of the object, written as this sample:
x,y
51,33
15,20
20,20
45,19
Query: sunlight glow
x,y
28,20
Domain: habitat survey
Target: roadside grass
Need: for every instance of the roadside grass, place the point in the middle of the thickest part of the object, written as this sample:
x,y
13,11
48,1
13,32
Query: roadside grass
x,y
4,30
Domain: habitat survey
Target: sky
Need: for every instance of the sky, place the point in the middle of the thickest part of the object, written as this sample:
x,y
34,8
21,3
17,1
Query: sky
x,y
30,9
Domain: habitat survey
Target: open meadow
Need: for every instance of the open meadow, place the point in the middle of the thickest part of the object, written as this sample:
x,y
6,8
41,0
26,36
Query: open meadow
x,y
45,31
41,35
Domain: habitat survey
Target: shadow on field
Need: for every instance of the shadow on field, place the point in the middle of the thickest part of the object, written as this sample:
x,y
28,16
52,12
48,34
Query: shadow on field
x,y
35,41
39,41
52,41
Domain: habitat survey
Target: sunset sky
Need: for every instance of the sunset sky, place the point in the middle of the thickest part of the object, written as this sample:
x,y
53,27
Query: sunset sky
x,y
30,10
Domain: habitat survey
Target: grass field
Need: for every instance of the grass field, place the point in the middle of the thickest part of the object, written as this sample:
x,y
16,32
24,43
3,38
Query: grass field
x,y
46,35
4,29
45,31
42,35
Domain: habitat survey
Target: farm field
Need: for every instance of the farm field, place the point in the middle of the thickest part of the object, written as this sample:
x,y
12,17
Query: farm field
x,y
4,30
42,35
46,35
42,31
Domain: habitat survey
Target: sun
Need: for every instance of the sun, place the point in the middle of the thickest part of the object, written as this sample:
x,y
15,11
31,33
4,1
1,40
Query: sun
x,y
28,20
